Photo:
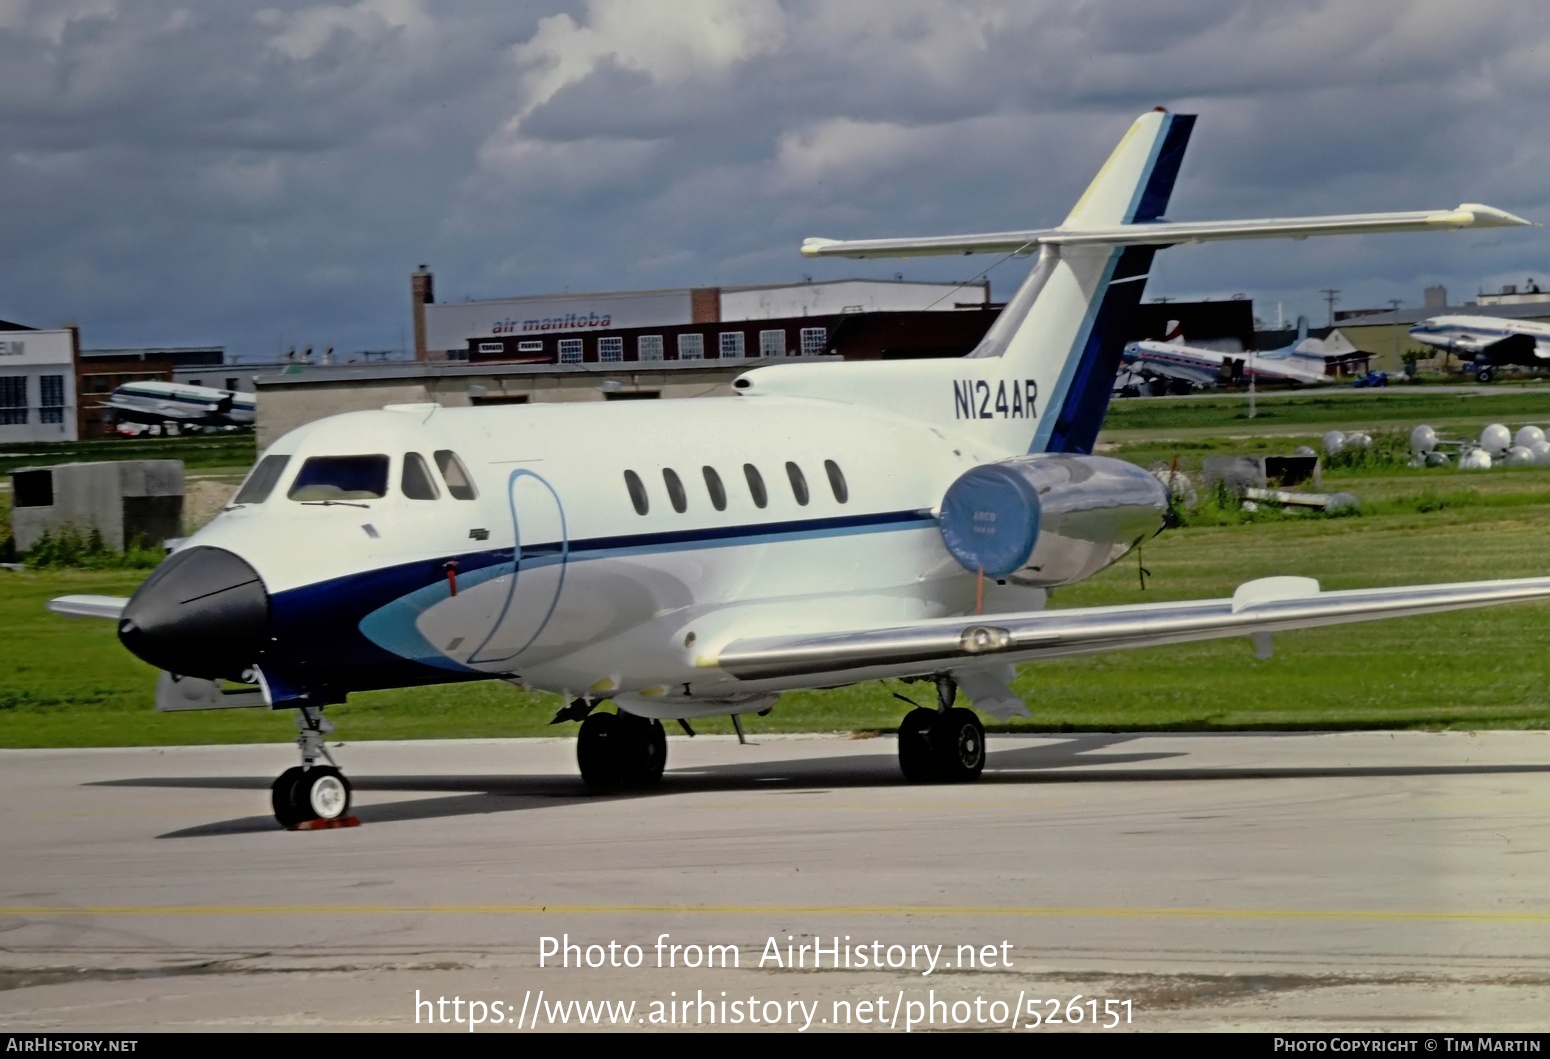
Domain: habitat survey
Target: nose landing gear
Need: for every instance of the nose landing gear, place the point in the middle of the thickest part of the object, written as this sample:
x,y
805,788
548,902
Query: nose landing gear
x,y
311,794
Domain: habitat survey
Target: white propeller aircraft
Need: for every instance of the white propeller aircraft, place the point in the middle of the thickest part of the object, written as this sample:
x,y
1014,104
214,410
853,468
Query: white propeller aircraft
x,y
1490,342
827,524
1304,361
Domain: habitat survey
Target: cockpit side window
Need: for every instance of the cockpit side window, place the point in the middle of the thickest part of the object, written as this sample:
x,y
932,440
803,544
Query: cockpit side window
x,y
459,482
341,478
417,482
261,481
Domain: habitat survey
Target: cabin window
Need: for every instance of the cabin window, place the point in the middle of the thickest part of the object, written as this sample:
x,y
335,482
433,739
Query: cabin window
x,y
731,345
261,481
648,347
815,341
637,490
341,478
798,482
570,351
459,483
610,349
837,480
717,491
416,481
691,347
772,343
675,490
756,485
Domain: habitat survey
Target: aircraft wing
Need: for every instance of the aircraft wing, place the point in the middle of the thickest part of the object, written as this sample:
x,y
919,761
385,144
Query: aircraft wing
x,y
157,409
1514,349
1169,233
89,606
1269,605
1203,375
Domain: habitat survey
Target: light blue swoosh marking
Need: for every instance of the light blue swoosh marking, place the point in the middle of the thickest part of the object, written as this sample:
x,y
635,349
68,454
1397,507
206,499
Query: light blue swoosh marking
x,y
394,626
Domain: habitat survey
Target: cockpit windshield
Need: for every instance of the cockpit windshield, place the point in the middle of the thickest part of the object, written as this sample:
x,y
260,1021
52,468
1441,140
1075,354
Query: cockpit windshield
x,y
324,478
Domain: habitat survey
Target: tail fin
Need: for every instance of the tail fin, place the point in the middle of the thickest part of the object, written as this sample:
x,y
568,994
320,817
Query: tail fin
x,y
1302,328
1067,325
1175,332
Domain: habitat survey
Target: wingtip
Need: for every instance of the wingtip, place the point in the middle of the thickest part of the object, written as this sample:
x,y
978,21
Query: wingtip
x,y
814,246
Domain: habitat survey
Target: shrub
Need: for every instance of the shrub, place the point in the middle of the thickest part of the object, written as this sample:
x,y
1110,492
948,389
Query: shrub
x,y
69,548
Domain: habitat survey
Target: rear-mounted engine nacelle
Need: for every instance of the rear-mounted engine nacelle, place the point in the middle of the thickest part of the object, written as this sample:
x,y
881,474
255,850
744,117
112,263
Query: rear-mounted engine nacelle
x,y
1049,520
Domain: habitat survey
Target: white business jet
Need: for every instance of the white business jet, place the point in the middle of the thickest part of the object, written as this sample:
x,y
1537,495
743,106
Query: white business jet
x,y
827,524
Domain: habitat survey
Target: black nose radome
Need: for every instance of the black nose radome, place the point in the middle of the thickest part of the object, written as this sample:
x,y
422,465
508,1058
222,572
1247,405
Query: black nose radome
x,y
202,613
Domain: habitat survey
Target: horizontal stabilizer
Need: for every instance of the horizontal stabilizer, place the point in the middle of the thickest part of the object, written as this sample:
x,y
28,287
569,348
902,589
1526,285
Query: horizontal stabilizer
x,y
89,606
942,644
1169,233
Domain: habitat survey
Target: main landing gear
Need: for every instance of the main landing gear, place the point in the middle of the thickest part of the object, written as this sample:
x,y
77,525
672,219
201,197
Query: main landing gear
x,y
311,792
944,745
621,750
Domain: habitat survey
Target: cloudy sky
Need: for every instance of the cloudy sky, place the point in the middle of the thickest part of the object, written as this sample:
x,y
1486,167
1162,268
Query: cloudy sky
x,y
265,174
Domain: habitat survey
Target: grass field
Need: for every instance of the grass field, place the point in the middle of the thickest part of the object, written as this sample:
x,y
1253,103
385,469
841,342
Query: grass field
x,y
69,683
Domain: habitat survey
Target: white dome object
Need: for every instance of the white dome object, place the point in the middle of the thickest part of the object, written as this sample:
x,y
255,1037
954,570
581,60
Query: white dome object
x,y
1526,436
1475,460
1304,450
1178,484
1423,439
1541,451
1495,439
1334,441
1519,456
1358,440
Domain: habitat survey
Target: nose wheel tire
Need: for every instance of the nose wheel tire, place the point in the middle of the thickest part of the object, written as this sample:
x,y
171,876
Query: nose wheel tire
x,y
318,793
941,747
620,749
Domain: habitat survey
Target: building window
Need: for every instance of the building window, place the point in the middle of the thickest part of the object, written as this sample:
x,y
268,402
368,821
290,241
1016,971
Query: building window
x,y
52,398
13,400
798,482
691,347
648,347
713,486
638,498
231,383
196,382
675,490
570,351
837,481
492,347
97,383
610,349
772,343
814,341
532,345
731,345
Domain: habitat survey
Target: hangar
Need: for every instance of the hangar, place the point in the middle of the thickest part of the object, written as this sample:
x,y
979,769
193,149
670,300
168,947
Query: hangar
x,y
37,384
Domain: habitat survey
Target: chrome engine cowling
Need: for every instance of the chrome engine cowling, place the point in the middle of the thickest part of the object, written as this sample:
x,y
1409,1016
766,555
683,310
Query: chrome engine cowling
x,y
1049,519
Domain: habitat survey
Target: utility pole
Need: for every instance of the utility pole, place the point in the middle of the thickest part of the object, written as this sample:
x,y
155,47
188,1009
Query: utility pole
x,y
1331,296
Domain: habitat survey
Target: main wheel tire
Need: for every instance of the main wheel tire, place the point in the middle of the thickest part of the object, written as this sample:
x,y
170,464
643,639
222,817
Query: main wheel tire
x,y
642,748
1484,375
597,750
917,759
323,793
282,796
958,739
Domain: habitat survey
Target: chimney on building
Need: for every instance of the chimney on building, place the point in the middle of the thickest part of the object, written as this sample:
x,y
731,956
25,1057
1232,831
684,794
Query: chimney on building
x,y
1435,297
422,292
